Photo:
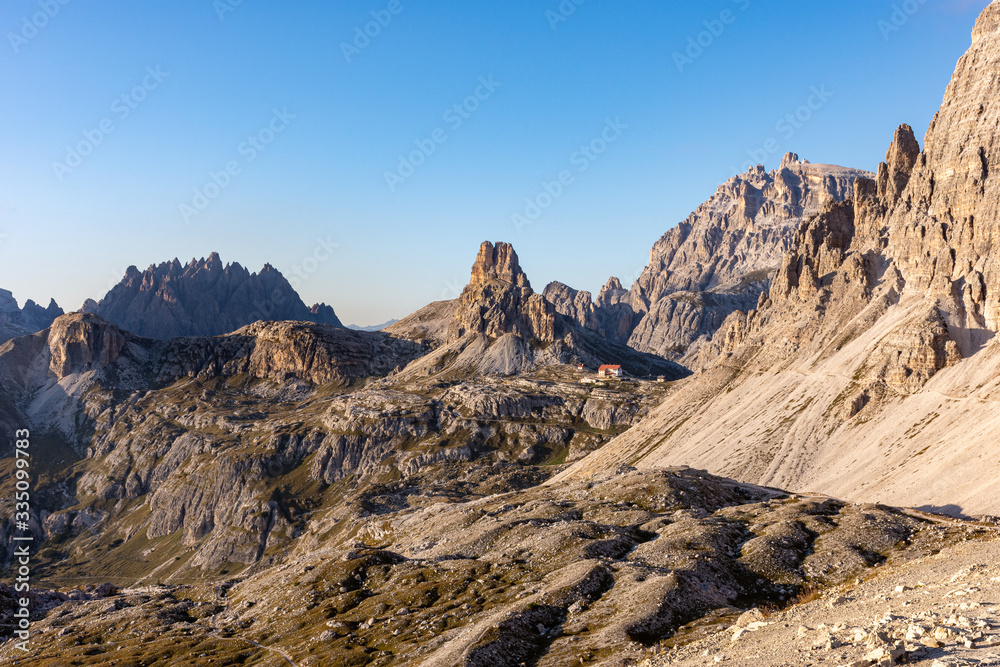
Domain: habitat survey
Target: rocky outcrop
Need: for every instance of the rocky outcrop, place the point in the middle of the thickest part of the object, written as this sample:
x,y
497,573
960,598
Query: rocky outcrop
x,y
16,321
315,353
870,369
610,315
499,325
81,342
203,298
499,300
497,263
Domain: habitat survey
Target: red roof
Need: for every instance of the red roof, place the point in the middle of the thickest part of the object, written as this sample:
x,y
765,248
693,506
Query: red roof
x,y
608,368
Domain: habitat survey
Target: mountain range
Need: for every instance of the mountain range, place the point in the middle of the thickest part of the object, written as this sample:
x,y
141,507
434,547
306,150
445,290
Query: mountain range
x,y
870,370
203,298
813,345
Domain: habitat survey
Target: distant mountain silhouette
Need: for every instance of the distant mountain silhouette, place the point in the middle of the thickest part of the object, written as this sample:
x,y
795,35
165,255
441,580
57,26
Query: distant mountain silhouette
x,y
203,298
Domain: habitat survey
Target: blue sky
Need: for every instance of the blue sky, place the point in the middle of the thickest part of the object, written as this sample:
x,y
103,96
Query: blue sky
x,y
134,133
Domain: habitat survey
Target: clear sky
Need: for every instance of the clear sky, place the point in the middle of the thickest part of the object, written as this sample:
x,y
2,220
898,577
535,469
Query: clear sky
x,y
117,114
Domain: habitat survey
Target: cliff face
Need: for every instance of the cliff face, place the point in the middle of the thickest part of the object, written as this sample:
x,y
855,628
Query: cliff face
x,y
944,233
203,298
81,342
871,369
728,249
745,227
716,262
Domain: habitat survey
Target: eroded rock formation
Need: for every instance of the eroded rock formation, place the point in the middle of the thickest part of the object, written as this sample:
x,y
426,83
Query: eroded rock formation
x,y
719,260
203,298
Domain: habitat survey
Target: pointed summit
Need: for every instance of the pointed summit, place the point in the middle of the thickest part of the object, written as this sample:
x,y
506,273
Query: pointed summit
x,y
499,300
789,160
612,292
498,262
894,173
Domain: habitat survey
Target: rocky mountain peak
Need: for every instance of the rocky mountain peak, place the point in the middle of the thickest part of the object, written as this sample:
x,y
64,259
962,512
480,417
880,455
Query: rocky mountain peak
x,y
611,293
789,160
894,173
498,262
7,301
499,300
203,298
721,258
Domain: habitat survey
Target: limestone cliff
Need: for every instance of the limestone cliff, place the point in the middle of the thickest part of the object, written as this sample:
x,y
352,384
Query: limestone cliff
x,y
499,300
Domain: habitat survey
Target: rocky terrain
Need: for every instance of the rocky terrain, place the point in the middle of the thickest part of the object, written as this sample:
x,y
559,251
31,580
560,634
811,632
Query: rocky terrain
x,y
214,445
718,261
596,572
870,369
202,298
499,325
938,611
610,315
16,321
